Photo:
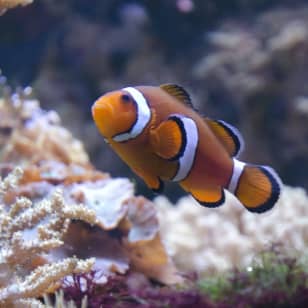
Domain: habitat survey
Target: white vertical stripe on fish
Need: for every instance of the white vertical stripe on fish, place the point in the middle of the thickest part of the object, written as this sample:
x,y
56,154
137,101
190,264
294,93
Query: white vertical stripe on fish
x,y
143,116
187,159
238,168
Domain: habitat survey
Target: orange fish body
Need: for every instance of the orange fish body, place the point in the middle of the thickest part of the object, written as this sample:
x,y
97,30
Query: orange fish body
x,y
156,131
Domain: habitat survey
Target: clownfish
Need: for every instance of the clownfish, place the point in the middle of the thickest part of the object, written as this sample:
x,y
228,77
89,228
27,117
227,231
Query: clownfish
x,y
161,137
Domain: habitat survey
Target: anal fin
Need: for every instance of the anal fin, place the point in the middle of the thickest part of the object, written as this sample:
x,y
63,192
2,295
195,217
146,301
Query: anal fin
x,y
228,135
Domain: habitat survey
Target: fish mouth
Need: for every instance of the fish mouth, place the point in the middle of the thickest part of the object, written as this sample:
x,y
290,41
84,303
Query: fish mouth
x,y
101,110
103,116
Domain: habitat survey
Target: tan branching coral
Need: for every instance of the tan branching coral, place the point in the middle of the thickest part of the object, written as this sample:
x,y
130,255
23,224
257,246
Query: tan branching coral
x,y
23,271
95,217
60,302
207,240
110,205
38,282
9,4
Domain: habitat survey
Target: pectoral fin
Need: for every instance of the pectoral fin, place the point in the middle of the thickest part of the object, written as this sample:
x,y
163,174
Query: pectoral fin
x,y
229,136
168,140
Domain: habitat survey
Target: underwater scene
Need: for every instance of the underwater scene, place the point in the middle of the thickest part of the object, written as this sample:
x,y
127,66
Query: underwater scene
x,y
153,153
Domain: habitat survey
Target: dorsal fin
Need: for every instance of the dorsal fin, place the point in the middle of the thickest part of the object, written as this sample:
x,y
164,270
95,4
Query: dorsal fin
x,y
228,135
178,92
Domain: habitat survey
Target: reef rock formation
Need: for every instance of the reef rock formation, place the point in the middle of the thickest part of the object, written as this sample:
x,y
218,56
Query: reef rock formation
x,y
60,216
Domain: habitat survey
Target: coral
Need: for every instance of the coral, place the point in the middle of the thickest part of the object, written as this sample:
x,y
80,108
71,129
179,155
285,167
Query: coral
x,y
60,302
29,134
211,240
8,4
40,238
60,216
22,272
276,278
250,71
127,225
128,292
242,61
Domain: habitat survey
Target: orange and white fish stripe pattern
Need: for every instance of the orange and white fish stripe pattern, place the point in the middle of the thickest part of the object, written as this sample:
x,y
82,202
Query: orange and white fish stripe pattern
x,y
159,134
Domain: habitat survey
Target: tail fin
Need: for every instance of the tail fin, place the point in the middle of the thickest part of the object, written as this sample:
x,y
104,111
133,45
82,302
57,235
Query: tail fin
x,y
257,187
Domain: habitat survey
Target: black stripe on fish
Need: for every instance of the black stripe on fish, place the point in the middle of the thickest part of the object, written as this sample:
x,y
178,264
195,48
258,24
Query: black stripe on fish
x,y
180,124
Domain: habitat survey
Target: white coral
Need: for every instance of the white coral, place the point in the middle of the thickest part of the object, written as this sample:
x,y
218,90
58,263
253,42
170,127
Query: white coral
x,y
206,240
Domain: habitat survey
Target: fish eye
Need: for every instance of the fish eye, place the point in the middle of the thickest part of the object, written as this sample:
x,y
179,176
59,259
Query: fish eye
x,y
125,98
